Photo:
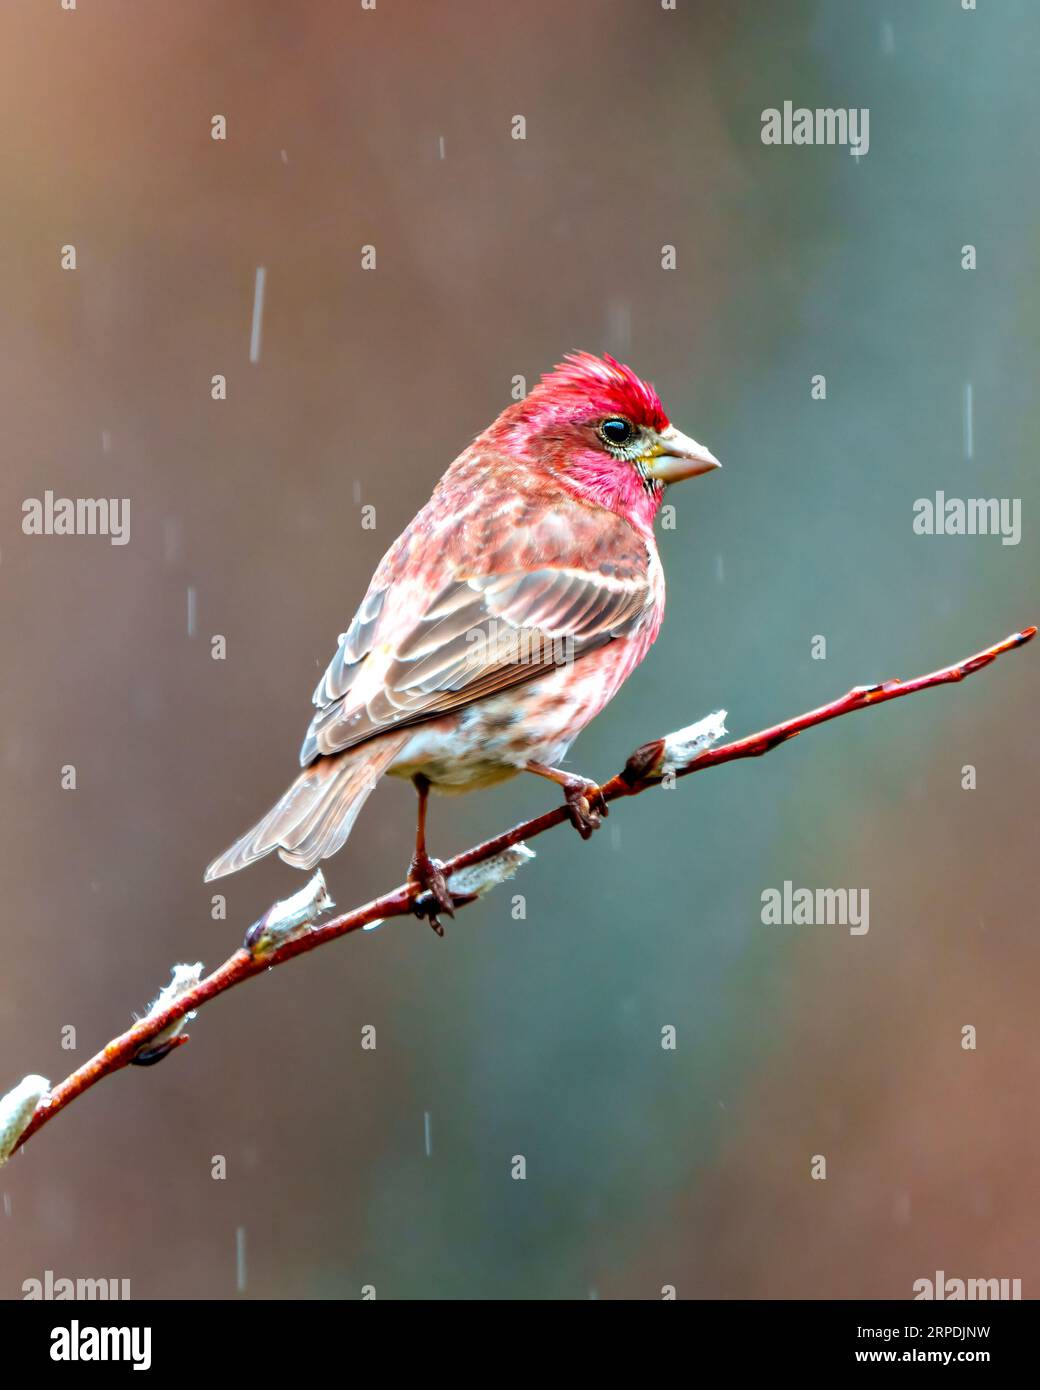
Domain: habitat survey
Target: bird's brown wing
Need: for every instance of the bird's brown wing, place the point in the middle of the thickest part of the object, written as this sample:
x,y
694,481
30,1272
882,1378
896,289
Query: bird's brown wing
x,y
568,580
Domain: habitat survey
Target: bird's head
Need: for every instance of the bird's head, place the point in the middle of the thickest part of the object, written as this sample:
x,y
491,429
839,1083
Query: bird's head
x,y
602,431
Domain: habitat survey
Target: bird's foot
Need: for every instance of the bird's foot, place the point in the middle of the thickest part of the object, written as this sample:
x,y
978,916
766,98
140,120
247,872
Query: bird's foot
x,y
432,895
586,804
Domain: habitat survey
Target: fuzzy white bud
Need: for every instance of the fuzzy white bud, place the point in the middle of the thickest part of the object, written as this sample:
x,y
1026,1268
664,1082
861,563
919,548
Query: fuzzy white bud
x,y
290,918
684,745
183,979
478,879
17,1109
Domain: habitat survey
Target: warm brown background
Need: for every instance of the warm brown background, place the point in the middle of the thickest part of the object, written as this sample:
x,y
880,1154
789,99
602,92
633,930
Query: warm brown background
x,y
538,1037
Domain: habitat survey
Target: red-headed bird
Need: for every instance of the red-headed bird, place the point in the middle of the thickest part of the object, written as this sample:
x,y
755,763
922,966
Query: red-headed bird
x,y
500,622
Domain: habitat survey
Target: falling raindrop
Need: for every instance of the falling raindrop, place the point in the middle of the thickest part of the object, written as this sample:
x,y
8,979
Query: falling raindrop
x,y
619,327
258,313
969,421
240,1258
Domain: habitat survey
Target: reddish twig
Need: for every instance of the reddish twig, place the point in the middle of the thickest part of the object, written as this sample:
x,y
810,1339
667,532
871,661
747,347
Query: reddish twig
x,y
645,768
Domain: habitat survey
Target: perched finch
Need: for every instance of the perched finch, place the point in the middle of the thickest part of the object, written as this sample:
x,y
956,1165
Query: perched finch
x,y
499,623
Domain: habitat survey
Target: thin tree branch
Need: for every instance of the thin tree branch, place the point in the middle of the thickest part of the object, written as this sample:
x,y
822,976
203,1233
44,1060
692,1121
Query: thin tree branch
x,y
645,768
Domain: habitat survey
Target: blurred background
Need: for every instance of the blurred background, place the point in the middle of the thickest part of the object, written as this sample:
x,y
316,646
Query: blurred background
x,y
538,1037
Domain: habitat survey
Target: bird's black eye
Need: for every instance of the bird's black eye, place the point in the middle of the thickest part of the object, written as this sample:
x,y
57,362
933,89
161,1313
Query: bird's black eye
x,y
616,431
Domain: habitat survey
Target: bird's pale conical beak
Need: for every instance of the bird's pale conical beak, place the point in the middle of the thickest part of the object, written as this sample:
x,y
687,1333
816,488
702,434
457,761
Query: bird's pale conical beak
x,y
677,456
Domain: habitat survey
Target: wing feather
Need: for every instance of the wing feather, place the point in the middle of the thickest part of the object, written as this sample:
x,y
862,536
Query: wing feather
x,y
496,620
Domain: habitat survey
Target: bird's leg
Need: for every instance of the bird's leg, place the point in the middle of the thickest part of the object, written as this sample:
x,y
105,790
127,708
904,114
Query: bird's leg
x,y
426,873
585,801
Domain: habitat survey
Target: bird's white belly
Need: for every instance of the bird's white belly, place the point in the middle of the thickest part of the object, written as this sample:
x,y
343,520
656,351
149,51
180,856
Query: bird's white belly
x,y
494,738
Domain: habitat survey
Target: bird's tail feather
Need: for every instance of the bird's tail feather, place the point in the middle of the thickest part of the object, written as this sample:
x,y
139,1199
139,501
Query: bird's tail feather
x,y
317,813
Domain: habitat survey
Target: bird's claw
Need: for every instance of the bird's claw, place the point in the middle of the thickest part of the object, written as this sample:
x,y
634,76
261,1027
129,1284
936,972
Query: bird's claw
x,y
586,804
433,896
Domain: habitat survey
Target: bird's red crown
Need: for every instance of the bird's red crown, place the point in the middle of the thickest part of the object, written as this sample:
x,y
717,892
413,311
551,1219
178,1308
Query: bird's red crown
x,y
604,384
